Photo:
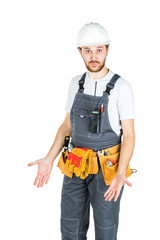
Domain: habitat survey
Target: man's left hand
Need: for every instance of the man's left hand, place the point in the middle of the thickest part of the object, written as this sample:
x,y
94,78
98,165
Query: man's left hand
x,y
115,187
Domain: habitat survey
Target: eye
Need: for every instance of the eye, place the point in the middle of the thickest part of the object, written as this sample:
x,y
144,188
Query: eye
x,y
88,51
99,50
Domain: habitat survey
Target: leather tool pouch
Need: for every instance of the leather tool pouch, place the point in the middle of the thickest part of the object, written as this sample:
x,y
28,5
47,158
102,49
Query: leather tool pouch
x,y
93,166
109,172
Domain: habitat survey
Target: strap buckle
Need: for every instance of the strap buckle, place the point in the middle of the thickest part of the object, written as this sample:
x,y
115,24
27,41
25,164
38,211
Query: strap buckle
x,y
134,170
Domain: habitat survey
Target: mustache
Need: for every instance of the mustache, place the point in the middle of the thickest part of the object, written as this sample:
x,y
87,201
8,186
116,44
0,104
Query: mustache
x,y
93,62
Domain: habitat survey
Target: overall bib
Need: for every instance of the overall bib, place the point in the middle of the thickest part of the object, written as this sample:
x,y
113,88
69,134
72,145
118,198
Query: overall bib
x,y
77,193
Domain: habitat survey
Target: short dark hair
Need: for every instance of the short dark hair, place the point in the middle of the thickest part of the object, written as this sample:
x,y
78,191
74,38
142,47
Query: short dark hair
x,y
107,46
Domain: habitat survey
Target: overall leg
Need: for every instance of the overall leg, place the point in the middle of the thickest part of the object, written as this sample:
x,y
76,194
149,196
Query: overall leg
x,y
75,208
106,214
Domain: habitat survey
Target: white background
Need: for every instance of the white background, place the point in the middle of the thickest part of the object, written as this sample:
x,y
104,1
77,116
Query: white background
x,y
38,58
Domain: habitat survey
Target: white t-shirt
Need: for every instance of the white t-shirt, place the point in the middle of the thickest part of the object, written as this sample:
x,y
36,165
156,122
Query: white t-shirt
x,y
121,99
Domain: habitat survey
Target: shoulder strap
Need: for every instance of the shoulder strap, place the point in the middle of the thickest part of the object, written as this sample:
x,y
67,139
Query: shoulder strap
x,y
111,83
81,83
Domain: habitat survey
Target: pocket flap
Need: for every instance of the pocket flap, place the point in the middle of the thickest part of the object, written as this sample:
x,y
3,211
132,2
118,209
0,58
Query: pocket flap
x,y
82,111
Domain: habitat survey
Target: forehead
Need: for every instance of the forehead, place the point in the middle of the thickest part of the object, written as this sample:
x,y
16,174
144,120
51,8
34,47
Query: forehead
x,y
94,47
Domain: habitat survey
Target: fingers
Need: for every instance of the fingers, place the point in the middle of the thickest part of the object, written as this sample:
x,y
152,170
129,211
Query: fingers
x,y
113,194
115,188
35,182
110,196
47,179
41,180
109,189
44,179
38,179
108,193
116,195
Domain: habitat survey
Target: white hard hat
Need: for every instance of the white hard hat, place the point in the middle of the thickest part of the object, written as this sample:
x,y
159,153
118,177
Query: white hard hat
x,y
92,34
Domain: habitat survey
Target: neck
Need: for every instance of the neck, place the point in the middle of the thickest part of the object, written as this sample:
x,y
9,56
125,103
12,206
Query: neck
x,y
100,74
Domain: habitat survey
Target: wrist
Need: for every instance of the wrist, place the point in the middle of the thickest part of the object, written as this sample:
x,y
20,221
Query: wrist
x,y
121,174
121,177
49,158
122,171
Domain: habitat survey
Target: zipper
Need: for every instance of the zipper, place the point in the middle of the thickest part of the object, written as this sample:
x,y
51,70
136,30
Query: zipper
x,y
94,95
95,88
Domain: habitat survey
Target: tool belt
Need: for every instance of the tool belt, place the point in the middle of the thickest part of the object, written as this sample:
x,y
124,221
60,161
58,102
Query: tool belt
x,y
83,162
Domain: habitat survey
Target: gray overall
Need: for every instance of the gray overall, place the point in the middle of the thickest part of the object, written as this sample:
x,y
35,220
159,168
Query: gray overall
x,y
77,193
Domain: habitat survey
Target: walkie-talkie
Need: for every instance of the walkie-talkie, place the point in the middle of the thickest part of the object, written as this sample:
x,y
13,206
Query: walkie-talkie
x,y
94,127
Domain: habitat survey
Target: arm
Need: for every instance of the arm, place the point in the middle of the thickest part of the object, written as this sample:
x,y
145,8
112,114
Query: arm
x,y
127,146
64,129
45,164
126,152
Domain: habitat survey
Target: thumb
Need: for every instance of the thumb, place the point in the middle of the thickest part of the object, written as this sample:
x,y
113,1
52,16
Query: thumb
x,y
32,163
128,183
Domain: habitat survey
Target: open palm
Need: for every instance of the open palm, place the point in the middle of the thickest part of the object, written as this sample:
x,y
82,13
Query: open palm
x,y
44,170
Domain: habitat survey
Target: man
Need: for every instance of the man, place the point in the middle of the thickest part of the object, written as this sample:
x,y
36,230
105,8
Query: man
x,y
99,109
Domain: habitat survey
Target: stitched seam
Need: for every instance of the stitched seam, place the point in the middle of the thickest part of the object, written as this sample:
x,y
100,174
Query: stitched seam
x,y
77,228
113,226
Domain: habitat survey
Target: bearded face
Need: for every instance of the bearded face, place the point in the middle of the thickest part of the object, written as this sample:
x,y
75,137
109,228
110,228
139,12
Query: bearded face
x,y
94,57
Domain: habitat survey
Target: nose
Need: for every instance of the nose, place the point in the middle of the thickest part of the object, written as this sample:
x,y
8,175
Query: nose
x,y
93,57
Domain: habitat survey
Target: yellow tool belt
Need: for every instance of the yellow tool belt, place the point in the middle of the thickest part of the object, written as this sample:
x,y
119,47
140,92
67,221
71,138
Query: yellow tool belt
x,y
83,162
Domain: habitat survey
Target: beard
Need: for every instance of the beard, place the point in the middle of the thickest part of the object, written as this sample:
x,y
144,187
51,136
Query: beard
x,y
97,68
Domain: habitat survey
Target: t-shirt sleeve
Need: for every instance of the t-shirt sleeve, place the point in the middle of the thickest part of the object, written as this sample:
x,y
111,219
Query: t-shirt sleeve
x,y
71,95
126,102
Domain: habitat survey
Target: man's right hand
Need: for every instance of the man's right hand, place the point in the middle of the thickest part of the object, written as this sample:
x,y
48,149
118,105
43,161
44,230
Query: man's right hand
x,y
44,170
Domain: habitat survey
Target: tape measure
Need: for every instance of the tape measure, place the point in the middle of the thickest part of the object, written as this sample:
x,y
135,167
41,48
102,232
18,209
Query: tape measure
x,y
110,162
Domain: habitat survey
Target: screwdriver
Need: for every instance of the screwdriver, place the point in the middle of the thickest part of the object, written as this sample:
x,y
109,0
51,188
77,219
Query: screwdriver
x,y
66,142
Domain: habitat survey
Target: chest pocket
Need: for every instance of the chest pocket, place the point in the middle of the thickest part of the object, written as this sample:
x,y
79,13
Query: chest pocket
x,y
81,119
